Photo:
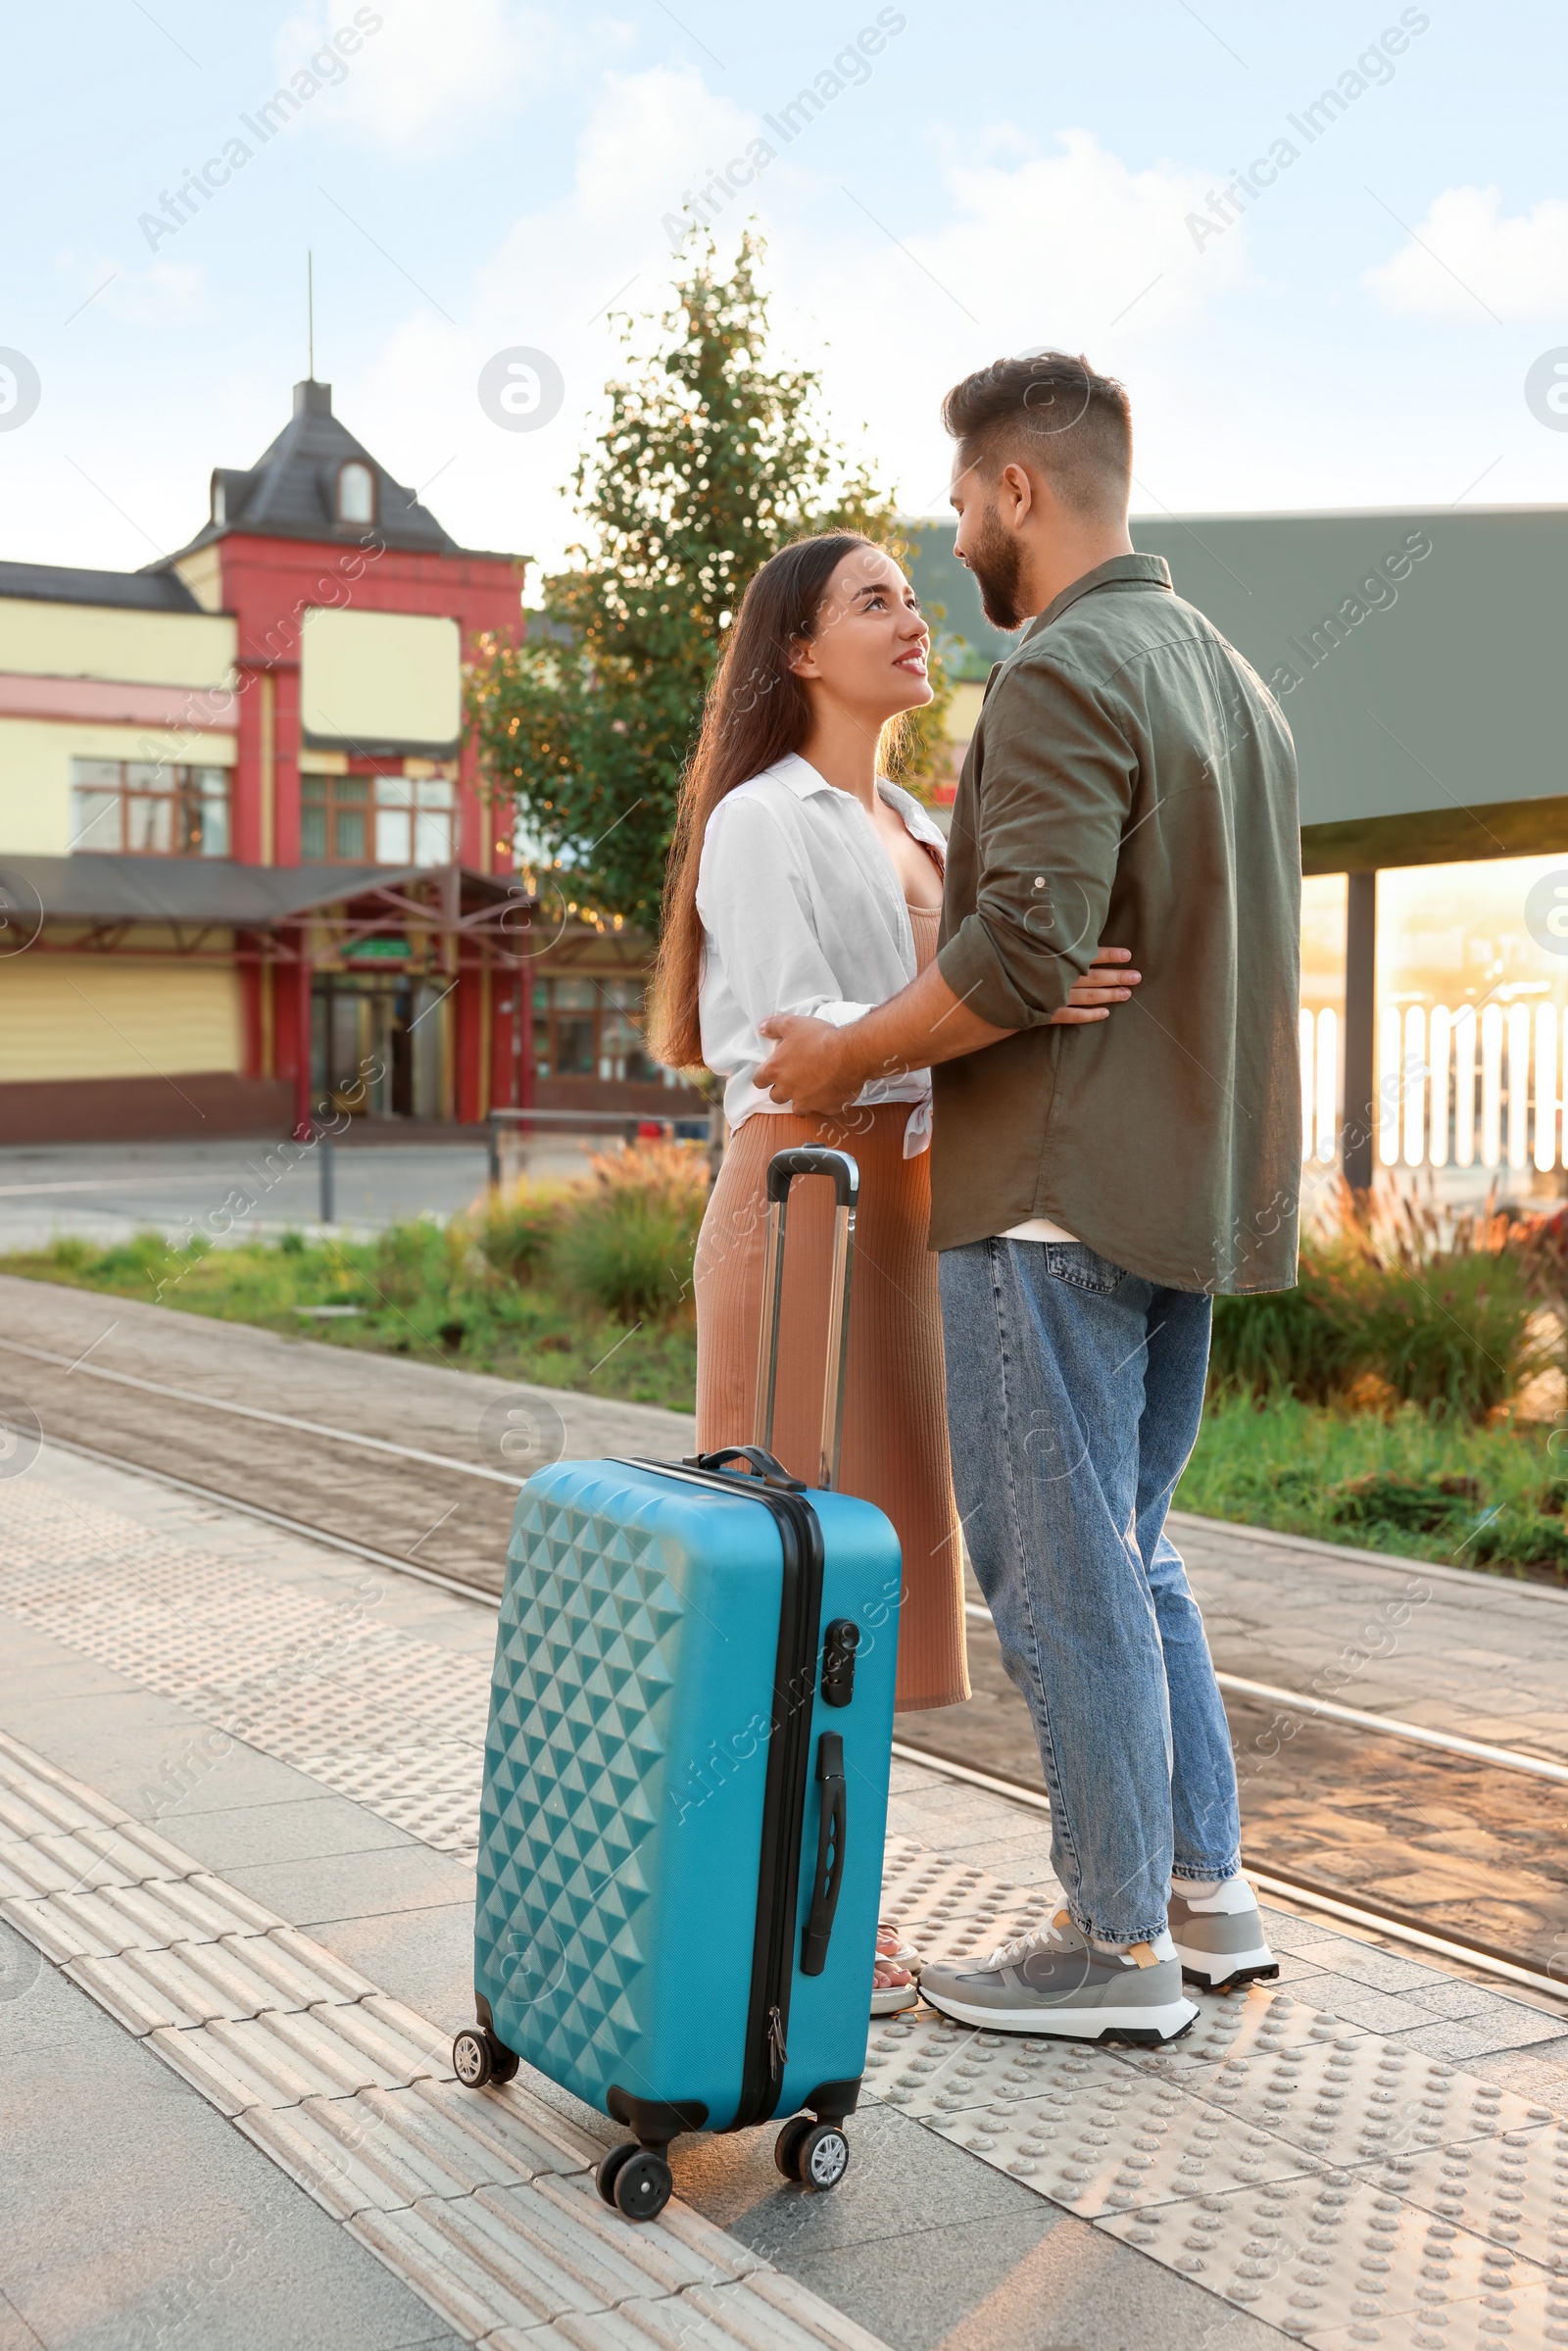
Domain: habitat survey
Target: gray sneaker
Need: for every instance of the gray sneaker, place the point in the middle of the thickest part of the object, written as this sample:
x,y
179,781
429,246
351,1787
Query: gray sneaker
x,y
1218,1948
1054,1983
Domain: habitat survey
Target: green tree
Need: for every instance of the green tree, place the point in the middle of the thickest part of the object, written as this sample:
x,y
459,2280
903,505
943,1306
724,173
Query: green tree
x,y
711,460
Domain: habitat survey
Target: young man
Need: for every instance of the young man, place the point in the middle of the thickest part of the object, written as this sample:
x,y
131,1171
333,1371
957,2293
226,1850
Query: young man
x,y
1131,783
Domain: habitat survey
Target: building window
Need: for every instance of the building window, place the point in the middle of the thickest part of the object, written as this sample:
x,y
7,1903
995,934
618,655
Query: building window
x,y
141,808
356,493
382,819
622,1054
334,819
415,819
593,1029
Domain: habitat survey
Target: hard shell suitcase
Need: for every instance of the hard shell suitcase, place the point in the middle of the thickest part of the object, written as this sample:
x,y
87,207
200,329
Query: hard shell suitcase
x,y
686,1781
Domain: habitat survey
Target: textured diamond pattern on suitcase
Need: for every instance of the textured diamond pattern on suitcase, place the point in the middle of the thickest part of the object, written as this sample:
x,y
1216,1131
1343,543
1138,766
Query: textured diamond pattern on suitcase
x,y
591,1654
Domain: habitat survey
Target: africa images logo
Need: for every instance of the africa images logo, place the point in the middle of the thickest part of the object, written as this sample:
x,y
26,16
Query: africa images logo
x,y
1545,390
1547,911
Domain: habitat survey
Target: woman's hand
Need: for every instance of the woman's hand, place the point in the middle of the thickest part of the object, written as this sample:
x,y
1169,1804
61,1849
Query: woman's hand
x,y
1100,988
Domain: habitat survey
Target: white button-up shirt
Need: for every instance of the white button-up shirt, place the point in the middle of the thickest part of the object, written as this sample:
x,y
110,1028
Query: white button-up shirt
x,y
802,912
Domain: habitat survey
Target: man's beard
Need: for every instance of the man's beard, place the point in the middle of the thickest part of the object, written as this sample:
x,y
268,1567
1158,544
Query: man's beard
x,y
997,560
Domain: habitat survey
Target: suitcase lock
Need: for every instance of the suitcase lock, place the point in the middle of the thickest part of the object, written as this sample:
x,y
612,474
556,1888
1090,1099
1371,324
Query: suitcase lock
x,y
842,1640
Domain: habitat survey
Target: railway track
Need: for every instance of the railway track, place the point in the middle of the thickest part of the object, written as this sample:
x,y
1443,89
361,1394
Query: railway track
x,y
423,1507
1319,1779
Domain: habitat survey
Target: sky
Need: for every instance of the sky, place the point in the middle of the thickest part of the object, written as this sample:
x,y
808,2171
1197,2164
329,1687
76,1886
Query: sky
x,y
1353,325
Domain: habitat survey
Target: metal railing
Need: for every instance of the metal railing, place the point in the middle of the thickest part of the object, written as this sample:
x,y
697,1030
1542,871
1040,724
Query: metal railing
x,y
631,1125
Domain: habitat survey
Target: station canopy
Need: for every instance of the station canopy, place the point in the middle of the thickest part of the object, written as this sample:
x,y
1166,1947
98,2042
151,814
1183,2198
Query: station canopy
x,y
97,904
1414,651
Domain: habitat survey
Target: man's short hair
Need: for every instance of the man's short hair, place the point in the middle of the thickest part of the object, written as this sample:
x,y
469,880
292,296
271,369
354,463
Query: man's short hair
x,y
1053,411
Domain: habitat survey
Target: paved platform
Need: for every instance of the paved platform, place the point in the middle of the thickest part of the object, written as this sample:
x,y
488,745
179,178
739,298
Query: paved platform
x,y
239,1786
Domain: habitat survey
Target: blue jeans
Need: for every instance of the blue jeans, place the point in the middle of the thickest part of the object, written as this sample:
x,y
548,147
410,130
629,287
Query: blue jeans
x,y
1074,1395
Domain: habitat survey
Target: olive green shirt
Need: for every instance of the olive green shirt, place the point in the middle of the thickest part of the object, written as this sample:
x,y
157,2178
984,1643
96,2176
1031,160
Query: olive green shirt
x,y
1131,783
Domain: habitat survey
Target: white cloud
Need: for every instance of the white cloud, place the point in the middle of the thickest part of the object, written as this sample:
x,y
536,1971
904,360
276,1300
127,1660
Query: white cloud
x,y
1070,250
1063,247
653,137
548,286
1036,249
1465,259
429,70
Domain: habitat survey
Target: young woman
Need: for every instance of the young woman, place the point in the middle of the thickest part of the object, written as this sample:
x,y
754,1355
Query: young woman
x,y
801,880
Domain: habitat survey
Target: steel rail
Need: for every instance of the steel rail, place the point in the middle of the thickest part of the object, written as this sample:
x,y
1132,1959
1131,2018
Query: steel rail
x,y
1387,1725
277,1420
457,1585
1452,1742
1397,1926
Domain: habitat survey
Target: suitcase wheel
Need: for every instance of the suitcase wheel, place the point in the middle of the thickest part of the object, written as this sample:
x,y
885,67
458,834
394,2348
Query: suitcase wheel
x,y
609,2165
478,2058
817,2154
635,2180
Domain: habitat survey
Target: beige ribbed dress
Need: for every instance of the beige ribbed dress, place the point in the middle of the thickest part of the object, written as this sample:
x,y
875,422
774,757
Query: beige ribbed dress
x,y
895,1420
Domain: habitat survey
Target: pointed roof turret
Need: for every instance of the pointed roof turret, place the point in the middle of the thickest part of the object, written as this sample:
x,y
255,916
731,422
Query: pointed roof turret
x,y
317,481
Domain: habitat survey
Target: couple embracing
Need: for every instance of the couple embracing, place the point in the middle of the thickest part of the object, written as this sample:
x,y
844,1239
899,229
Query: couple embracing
x,y
1063,1156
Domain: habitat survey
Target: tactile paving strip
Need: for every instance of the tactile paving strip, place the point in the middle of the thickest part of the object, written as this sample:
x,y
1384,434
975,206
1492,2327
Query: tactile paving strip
x,y
1102,2138
1357,2098
300,1677
1080,2125
1276,2157
482,2201
1239,2027
1332,2261
949,1909
1512,2187
1185,2152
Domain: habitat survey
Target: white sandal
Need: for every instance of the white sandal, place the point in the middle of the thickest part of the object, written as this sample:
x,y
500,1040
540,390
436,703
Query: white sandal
x,y
902,1954
890,1999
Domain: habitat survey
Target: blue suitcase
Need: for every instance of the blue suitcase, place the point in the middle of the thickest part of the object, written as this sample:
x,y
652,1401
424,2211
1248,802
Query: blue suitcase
x,y
686,1781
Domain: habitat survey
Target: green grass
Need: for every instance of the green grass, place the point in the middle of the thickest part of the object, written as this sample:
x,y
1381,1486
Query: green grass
x,y
1454,1330
585,1286
1424,1487
423,1290
590,1289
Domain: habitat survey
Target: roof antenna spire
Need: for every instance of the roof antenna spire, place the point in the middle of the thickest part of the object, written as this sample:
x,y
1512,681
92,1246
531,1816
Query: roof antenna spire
x,y
310,310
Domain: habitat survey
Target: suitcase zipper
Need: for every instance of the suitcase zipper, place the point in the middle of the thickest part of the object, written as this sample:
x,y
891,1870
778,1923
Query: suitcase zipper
x,y
783,1805
789,1758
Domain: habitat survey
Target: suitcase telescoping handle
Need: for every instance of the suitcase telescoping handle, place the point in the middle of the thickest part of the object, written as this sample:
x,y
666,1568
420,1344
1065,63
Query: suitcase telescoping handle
x,y
808,1160
831,1838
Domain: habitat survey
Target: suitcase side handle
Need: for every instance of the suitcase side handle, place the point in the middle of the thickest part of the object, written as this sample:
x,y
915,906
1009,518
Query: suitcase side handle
x,y
809,1158
831,1837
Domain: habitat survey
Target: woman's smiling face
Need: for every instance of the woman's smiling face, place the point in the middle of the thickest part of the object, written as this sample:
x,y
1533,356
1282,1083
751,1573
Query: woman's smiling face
x,y
870,648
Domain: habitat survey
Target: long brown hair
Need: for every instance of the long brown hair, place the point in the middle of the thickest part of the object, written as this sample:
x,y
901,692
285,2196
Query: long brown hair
x,y
756,711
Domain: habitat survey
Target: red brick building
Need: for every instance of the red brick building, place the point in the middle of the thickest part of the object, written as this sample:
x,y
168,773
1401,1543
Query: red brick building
x,y
245,858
